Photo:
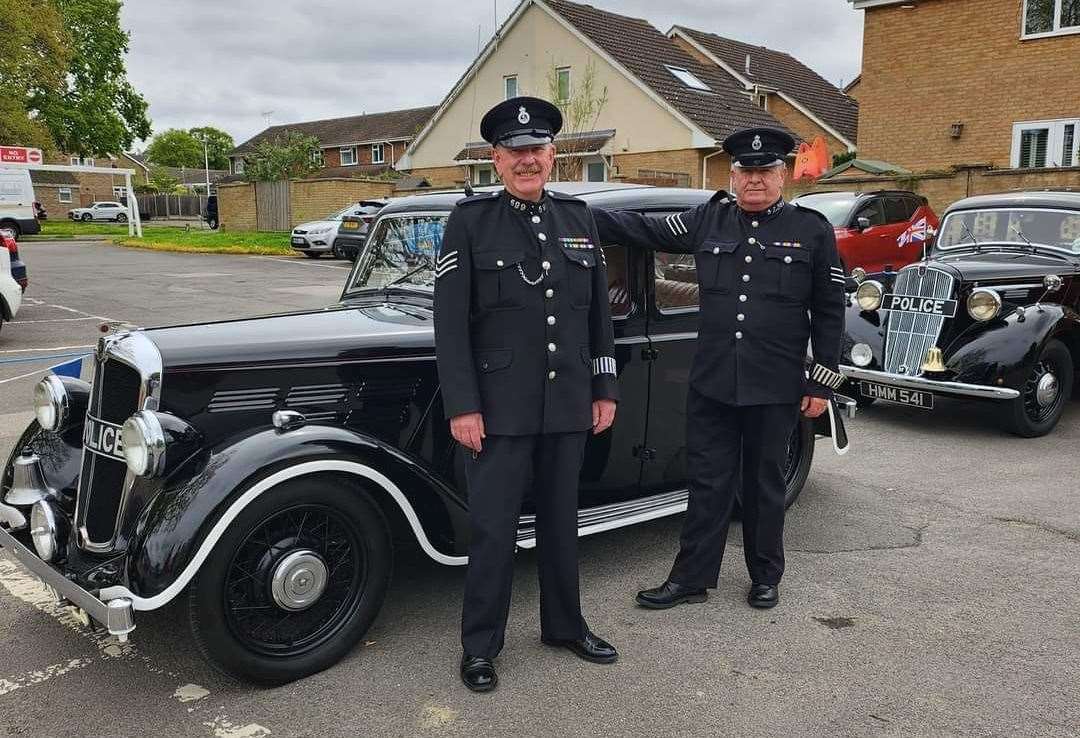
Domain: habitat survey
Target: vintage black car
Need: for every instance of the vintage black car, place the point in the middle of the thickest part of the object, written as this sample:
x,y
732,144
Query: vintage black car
x,y
263,468
991,314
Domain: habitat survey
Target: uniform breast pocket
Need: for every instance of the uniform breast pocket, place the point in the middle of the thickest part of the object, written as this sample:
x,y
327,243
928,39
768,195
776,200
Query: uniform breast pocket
x,y
787,275
715,265
580,264
498,282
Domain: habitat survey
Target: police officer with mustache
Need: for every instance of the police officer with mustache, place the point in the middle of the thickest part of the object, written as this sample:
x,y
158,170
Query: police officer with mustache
x,y
525,352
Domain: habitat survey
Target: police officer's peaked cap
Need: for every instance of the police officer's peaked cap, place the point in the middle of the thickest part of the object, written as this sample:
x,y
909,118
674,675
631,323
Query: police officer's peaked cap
x,y
758,147
520,122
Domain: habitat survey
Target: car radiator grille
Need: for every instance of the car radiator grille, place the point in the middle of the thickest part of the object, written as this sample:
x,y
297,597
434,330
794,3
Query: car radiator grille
x,y
113,399
910,335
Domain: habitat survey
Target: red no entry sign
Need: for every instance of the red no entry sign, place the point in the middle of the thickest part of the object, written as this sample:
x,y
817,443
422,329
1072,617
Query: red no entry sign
x,y
19,155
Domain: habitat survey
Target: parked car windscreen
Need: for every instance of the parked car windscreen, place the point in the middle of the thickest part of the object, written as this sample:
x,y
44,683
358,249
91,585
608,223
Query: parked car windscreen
x,y
834,207
402,249
1057,229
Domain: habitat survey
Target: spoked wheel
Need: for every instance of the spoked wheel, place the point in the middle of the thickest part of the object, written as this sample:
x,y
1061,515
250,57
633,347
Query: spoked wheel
x,y
294,583
121,218
1044,394
800,456
86,217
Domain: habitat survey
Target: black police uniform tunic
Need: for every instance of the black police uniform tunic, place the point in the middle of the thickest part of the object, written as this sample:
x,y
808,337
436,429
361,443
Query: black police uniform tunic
x,y
524,336
769,283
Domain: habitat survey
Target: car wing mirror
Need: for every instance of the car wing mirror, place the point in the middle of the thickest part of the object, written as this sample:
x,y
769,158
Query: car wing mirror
x,y
862,222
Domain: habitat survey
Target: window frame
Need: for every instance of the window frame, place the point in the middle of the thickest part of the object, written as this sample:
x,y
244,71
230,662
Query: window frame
x,y
1055,141
317,157
382,153
593,163
88,161
506,86
1057,30
569,83
60,195
689,80
74,161
859,206
341,155
238,166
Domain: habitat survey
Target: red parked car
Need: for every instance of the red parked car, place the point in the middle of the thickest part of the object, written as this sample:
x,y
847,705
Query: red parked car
x,y
880,231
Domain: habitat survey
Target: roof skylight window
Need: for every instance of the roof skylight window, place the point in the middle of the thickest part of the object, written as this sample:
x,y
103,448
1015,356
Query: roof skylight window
x,y
688,78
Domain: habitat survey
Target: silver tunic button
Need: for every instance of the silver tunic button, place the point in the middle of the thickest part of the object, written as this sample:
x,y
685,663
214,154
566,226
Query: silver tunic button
x,y
754,223
551,375
551,347
740,317
787,259
542,236
716,250
499,263
536,219
752,240
749,259
551,320
549,294
742,298
738,334
546,265
746,277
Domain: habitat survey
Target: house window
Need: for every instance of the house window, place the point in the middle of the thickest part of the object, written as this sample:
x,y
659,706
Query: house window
x,y
377,154
1051,17
348,156
562,83
688,79
595,172
74,161
1050,143
510,87
238,166
484,176
64,194
316,157
119,193
88,161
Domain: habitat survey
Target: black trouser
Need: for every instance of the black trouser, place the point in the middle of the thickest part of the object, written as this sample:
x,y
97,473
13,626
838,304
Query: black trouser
x,y
718,437
549,465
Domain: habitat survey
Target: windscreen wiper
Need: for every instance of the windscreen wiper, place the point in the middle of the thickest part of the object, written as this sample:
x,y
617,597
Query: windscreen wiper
x,y
405,276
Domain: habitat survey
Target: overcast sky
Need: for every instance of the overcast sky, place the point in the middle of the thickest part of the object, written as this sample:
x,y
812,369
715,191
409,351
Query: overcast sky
x,y
225,64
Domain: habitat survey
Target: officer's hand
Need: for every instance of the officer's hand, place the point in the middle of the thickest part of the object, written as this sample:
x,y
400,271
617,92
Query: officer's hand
x,y
603,415
813,406
468,430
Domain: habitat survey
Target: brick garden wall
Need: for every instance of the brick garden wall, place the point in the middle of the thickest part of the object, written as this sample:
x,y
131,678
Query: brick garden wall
x,y
310,199
636,166
236,206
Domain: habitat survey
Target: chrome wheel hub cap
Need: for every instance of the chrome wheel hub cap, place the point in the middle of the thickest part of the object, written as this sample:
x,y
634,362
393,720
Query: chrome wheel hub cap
x,y
1046,391
299,580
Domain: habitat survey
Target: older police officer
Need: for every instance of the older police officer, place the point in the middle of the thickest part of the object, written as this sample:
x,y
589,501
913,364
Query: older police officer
x,y
770,281
525,352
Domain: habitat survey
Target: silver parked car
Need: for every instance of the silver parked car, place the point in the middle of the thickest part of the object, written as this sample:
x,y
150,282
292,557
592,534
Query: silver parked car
x,y
318,237
100,211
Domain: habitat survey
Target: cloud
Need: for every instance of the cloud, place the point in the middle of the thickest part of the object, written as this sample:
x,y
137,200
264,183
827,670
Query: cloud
x,y
206,62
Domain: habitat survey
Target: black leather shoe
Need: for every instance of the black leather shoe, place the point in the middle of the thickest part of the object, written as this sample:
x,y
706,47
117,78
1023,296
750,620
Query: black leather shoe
x,y
670,594
763,595
478,673
590,647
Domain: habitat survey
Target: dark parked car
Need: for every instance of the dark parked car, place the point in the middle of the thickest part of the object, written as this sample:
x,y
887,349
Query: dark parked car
x,y
39,211
870,226
354,229
210,212
262,468
992,314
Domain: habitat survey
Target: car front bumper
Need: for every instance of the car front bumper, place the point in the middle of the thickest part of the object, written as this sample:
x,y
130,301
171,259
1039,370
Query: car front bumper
x,y
312,242
117,616
936,386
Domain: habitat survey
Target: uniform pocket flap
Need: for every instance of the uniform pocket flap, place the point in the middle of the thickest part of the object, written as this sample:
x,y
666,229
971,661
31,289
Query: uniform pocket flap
x,y
497,259
492,360
580,257
786,254
719,247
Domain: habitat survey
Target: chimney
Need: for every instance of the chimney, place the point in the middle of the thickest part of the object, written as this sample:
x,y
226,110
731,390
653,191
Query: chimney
x,y
747,65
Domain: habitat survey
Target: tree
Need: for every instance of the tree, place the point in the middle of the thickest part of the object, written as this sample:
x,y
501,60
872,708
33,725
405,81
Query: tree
x,y
847,156
162,181
219,144
95,110
34,57
580,110
175,148
285,157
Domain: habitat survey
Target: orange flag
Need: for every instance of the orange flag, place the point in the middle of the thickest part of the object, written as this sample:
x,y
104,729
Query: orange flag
x,y
812,160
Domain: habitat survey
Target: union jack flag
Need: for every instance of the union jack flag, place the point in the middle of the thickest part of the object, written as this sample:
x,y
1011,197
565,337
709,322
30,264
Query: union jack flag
x,y
920,230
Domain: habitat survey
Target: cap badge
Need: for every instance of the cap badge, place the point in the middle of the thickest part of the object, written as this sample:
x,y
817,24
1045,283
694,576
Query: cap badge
x,y
756,145
523,115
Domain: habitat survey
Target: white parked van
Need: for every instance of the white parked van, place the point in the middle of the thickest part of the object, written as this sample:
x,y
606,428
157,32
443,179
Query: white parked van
x,y
17,202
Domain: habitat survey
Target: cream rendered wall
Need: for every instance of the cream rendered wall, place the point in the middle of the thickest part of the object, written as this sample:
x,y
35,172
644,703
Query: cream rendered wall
x,y
532,46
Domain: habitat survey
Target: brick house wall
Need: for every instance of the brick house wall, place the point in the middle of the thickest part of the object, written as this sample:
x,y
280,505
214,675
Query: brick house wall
x,y
442,177
315,199
639,165
49,197
332,154
946,61
90,187
803,126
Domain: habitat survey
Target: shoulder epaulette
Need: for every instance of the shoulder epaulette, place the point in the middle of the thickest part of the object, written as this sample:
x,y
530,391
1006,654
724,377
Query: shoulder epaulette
x,y
818,213
564,197
720,196
478,197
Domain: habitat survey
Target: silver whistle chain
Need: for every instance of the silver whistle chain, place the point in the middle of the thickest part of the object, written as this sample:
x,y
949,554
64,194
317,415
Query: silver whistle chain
x,y
531,282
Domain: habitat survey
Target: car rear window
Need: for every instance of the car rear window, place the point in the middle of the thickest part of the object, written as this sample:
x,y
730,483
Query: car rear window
x,y
834,207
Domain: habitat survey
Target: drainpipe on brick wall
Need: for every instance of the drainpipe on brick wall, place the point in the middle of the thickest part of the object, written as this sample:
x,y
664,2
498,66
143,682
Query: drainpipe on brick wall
x,y
705,168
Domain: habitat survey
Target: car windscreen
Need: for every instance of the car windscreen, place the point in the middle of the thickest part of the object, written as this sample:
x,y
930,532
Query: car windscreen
x,y
833,207
402,250
1045,227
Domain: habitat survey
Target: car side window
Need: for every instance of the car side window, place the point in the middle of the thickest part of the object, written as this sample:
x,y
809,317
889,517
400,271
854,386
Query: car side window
x,y
872,210
676,282
618,274
913,204
897,209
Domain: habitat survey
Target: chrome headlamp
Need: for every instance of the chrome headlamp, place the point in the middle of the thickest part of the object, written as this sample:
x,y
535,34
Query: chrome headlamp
x,y
869,295
51,403
984,304
47,529
143,441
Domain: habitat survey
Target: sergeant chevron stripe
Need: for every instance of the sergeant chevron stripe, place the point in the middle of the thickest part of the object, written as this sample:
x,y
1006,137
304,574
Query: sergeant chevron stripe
x,y
824,375
446,264
676,224
604,365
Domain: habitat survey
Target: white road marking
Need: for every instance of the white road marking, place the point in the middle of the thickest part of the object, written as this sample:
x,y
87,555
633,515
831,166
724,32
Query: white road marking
x,y
41,675
293,262
56,320
23,376
196,275
50,348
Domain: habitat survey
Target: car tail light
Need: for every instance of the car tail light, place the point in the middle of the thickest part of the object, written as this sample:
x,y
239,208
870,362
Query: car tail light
x,y
11,244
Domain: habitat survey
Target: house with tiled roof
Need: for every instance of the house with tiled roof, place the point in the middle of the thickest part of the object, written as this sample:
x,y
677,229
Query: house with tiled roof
x,y
664,115
791,91
357,145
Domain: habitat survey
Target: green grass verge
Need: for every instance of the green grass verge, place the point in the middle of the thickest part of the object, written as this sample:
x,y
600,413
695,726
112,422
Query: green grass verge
x,y
171,238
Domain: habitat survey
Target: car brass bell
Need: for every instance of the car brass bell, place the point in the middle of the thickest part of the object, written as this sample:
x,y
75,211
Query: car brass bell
x,y
27,482
934,361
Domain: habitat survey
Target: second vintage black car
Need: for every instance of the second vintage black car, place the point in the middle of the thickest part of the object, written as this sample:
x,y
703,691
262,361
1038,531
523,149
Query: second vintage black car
x,y
261,469
991,314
